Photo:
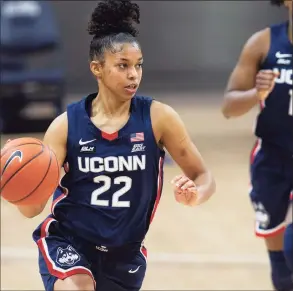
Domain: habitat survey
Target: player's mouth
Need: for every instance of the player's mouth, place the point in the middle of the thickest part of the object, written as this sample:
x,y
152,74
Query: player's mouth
x,y
131,89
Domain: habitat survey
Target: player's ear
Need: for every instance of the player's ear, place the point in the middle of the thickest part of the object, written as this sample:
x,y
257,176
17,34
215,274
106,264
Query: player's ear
x,y
96,68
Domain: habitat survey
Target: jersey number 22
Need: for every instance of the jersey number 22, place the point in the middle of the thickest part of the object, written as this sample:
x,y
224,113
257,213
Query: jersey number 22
x,y
107,185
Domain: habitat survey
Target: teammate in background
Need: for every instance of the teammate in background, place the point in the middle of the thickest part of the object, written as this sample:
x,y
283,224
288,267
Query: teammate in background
x,y
111,144
263,75
288,239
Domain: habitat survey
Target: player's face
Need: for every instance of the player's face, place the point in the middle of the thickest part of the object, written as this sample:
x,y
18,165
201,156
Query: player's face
x,y
121,72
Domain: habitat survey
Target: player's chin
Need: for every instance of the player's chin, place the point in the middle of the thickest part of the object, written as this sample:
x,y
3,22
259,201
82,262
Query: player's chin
x,y
129,93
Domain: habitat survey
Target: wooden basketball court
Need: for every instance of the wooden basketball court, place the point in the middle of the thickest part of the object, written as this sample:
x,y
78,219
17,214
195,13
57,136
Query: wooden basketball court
x,y
211,247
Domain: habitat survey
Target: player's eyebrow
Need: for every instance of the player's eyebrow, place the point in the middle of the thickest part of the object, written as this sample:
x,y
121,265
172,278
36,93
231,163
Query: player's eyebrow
x,y
127,60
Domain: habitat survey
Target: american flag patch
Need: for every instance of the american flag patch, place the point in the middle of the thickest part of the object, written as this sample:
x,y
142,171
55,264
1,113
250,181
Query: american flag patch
x,y
139,136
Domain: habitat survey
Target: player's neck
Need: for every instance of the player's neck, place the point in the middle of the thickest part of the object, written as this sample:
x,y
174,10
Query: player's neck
x,y
107,104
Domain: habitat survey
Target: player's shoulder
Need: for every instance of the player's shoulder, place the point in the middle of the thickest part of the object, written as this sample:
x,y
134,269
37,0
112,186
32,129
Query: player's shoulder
x,y
162,107
163,116
260,37
60,123
58,129
257,45
162,112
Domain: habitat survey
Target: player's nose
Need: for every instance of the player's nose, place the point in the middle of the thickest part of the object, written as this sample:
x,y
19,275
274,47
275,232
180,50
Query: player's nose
x,y
132,74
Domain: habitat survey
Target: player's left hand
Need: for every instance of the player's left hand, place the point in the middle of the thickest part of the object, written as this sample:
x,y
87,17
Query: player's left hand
x,y
186,192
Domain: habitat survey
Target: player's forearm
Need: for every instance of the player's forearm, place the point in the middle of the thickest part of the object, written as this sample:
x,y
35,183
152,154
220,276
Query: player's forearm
x,y
206,184
237,103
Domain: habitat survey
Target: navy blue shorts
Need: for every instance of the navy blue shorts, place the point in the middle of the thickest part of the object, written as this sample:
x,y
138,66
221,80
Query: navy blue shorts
x,y
272,182
62,255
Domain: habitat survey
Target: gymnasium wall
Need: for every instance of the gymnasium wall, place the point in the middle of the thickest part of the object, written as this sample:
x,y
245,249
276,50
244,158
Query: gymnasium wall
x,y
187,44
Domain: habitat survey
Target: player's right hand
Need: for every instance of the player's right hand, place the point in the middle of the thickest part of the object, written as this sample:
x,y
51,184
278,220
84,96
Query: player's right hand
x,y
265,82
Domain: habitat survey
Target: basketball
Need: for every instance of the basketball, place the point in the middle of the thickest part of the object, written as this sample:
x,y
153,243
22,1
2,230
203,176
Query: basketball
x,y
29,171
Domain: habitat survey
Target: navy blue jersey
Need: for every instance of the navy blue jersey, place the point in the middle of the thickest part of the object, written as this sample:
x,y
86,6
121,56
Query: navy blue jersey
x,y
113,181
275,121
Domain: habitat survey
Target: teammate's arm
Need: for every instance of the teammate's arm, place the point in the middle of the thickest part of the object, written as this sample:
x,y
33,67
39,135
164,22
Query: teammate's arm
x,y
197,184
56,138
247,86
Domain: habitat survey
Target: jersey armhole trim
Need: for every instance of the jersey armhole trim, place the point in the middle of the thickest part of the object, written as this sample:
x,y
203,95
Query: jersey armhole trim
x,y
159,145
67,141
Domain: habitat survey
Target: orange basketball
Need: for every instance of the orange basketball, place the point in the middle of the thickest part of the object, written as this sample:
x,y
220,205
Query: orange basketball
x,y
29,171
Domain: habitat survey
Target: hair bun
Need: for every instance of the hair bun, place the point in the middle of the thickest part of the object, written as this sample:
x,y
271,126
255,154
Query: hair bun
x,y
113,17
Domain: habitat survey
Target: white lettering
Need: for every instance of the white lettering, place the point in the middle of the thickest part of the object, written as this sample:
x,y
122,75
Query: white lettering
x,y
125,165
285,76
83,167
96,164
111,164
138,163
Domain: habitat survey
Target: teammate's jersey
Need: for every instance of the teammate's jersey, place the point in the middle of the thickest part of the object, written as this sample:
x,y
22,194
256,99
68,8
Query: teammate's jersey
x,y
275,121
114,181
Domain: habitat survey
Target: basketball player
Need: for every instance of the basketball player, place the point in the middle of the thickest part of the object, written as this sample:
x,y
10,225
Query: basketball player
x,y
263,75
288,238
111,144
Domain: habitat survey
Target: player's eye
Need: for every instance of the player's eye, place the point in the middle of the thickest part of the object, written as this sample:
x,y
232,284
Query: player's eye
x,y
122,66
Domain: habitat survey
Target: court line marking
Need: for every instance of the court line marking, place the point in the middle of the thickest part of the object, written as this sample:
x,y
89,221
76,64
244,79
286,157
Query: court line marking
x,y
17,253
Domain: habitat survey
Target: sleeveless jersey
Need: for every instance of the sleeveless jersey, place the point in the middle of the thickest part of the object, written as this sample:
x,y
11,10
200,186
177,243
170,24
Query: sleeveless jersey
x,y
113,182
275,121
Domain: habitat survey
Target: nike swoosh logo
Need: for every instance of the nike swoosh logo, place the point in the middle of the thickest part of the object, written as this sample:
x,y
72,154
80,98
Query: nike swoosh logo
x,y
282,56
134,271
85,142
14,155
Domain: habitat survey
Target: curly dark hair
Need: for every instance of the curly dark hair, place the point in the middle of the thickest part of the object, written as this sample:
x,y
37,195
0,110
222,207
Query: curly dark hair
x,y
277,2
112,22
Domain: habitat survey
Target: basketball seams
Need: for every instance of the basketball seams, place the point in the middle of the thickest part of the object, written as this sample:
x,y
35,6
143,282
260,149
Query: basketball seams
x,y
41,182
35,156
3,152
35,177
